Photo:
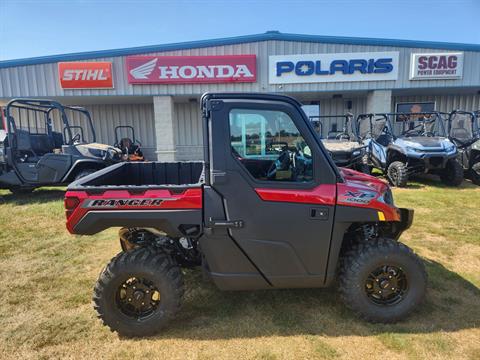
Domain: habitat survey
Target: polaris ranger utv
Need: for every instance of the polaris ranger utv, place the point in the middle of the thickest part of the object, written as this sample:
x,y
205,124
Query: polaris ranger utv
x,y
255,215
463,131
344,146
41,146
420,147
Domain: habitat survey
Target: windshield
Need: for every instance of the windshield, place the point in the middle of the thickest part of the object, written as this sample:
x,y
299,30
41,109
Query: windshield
x,y
419,124
371,126
79,123
461,125
338,127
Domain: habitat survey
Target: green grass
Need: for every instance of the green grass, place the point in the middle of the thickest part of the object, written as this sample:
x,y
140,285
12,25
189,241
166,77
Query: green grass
x,y
47,278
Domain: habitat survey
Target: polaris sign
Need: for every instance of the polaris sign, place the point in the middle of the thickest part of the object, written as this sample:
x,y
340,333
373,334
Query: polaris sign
x,y
320,68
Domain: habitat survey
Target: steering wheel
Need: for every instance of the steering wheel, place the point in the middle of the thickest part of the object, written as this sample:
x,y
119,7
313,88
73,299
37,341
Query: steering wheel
x,y
415,131
282,162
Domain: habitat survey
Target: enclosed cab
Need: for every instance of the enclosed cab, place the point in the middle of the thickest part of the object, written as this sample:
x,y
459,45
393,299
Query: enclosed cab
x,y
267,209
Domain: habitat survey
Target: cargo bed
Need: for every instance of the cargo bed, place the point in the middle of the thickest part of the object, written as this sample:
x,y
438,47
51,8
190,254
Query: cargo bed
x,y
132,175
167,196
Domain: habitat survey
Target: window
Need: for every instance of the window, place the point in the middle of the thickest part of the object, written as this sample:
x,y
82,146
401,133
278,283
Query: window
x,y
269,145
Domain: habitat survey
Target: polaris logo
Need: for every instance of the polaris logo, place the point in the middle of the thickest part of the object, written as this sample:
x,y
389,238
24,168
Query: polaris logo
x,y
114,203
312,68
191,69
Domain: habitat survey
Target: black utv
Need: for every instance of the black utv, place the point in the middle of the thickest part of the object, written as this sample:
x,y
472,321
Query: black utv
x,y
463,131
344,145
46,143
416,144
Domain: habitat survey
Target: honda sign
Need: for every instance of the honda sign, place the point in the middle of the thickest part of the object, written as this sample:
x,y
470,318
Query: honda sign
x,y
191,69
85,75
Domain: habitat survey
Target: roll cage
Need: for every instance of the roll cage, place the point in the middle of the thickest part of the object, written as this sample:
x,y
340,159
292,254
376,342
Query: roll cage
x,y
412,124
35,116
463,127
348,131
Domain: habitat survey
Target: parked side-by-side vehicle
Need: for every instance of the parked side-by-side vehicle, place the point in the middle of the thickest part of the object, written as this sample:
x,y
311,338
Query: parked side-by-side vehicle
x,y
46,143
402,145
267,209
343,144
463,131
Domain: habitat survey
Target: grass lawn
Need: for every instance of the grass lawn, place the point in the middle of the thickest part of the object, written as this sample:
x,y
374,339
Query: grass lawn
x,y
47,278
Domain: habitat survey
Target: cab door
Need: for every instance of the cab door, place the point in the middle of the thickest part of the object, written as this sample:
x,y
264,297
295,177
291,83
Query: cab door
x,y
278,188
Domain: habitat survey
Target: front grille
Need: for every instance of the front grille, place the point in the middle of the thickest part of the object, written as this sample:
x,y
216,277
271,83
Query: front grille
x,y
436,161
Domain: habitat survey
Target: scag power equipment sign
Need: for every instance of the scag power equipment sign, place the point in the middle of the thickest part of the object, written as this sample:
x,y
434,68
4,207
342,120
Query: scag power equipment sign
x,y
191,69
319,68
85,75
436,66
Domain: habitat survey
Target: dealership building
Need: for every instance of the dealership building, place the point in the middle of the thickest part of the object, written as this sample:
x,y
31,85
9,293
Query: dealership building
x,y
156,89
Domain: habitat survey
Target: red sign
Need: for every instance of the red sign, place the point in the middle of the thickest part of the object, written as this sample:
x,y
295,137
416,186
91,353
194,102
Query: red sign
x,y
85,75
191,69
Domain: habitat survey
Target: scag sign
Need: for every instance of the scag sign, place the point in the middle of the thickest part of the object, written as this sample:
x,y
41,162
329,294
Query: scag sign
x,y
191,69
319,68
436,66
85,75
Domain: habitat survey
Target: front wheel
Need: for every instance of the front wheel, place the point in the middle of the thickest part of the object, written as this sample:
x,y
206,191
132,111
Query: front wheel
x,y
475,173
139,292
452,175
397,174
382,280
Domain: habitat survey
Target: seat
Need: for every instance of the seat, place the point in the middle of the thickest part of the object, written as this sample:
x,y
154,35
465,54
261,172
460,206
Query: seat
x,y
383,140
41,144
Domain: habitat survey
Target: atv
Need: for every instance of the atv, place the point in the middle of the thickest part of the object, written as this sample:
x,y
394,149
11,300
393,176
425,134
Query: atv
x,y
254,215
128,144
46,143
344,146
421,146
463,131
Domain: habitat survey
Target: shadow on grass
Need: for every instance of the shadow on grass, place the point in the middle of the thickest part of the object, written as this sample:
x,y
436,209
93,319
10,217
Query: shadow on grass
x,y
38,196
452,304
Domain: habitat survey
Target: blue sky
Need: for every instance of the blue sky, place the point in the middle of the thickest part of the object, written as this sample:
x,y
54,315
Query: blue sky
x,y
37,28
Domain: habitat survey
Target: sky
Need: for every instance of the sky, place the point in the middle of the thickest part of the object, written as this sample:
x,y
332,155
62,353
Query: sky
x,y
31,28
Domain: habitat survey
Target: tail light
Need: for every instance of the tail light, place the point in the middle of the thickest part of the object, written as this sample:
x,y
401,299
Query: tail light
x,y
71,204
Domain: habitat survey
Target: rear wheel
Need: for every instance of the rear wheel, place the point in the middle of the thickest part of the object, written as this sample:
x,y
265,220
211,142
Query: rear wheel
x,y
475,173
397,174
139,292
382,280
452,175
84,173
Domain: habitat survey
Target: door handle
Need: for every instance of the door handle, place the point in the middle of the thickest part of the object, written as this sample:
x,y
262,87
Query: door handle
x,y
225,224
319,213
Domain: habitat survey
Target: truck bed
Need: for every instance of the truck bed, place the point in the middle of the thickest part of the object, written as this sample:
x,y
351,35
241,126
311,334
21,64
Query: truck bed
x,y
167,196
133,175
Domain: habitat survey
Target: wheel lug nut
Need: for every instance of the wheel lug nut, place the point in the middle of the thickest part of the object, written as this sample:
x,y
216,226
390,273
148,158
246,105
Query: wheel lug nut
x,y
393,288
129,299
143,303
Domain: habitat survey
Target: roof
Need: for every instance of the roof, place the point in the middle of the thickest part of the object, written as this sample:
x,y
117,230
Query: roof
x,y
269,35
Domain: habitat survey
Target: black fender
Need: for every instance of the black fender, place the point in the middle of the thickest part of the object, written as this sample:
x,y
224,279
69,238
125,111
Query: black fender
x,y
83,164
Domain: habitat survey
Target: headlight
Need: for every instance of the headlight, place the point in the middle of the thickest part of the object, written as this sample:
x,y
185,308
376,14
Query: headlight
x,y
356,153
450,148
387,197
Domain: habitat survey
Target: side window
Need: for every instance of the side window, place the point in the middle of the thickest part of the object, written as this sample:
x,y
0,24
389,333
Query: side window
x,y
269,145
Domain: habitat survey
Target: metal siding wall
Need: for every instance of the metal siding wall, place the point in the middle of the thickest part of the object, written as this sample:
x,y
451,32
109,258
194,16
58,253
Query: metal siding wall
x,y
42,80
338,107
189,132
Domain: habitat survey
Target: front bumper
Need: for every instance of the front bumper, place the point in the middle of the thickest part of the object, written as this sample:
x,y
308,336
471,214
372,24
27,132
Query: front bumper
x,y
406,220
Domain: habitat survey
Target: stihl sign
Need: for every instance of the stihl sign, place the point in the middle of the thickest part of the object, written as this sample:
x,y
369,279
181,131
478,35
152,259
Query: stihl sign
x,y
191,69
85,75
